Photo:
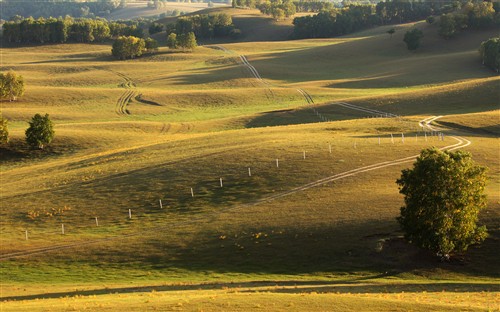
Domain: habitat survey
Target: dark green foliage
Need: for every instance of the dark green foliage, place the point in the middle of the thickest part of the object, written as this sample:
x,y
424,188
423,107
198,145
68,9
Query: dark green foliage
x,y
490,53
397,11
471,15
205,26
444,192
11,85
412,38
46,9
128,47
155,28
313,6
40,132
278,9
61,30
4,130
151,45
187,41
430,20
244,3
335,22
172,41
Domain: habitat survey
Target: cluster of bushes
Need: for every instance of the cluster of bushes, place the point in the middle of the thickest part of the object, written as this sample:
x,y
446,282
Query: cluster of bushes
x,y
129,47
470,15
204,26
61,30
278,9
183,41
490,53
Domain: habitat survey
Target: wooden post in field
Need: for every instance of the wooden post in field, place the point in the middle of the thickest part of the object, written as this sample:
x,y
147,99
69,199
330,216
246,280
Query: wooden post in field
x,y
330,147
62,228
26,234
220,182
392,139
277,163
96,222
192,192
304,154
425,135
161,205
130,213
249,172
416,137
402,138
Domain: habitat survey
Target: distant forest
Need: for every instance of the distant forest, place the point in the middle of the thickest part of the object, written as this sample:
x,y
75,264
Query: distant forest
x,y
48,8
354,17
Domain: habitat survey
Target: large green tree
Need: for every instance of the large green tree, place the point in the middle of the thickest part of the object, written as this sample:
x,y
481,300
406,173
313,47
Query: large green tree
x,y
40,132
412,38
11,85
187,41
443,194
490,53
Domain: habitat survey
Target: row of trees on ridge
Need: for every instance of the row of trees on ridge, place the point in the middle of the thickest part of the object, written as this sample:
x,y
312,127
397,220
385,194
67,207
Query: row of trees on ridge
x,y
61,30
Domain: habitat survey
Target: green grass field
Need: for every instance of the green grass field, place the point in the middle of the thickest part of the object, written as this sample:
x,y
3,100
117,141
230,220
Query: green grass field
x,y
131,133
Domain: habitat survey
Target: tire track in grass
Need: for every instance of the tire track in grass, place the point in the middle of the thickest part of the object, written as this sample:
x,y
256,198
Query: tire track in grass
x,y
129,85
425,123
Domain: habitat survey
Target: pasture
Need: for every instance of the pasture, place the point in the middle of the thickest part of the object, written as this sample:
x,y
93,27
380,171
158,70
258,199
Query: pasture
x,y
132,133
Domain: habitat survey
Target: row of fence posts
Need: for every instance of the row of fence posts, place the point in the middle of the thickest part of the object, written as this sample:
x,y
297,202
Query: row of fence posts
x,y
438,134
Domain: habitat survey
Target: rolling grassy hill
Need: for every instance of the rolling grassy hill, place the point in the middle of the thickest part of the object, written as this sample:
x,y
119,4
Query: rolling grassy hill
x,y
131,133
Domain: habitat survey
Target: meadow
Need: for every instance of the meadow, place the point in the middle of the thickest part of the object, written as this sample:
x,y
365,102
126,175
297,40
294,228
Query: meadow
x,y
132,133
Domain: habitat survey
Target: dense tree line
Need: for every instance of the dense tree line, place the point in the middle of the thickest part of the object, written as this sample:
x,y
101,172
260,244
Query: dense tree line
x,y
312,6
335,22
399,11
44,8
490,53
278,9
470,15
455,17
60,30
204,26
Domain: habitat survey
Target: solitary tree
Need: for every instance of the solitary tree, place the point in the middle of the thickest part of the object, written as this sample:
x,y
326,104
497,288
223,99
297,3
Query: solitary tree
x,y
443,195
172,41
4,130
187,41
40,132
391,32
11,85
412,38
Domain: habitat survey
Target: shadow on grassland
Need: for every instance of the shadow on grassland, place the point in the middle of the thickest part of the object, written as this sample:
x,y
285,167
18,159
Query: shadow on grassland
x,y
350,286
